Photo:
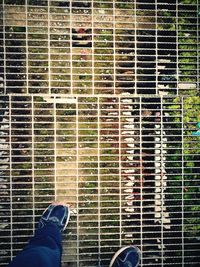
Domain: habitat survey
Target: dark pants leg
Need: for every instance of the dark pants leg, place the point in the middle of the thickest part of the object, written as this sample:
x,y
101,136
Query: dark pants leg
x,y
43,250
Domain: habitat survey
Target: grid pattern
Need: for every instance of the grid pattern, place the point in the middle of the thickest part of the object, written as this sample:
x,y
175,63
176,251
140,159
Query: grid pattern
x,y
129,166
100,47
98,106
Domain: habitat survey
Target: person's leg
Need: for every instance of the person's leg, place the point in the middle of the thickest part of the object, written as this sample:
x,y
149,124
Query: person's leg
x,y
45,249
126,257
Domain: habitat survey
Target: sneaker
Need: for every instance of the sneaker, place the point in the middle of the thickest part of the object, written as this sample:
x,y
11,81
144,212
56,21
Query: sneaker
x,y
197,133
126,257
57,215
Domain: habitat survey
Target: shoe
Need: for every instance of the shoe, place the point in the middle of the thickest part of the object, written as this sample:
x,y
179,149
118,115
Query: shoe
x,y
57,215
197,133
126,257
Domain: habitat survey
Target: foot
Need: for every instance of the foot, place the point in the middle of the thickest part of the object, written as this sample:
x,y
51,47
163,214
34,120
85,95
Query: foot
x,y
197,133
57,214
126,257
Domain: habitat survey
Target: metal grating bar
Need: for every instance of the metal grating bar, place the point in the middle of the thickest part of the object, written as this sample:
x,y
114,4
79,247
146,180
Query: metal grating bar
x,y
182,204
140,184
11,189
33,161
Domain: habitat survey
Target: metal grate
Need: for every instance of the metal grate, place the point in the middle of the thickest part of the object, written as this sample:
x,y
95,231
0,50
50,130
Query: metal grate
x,y
99,102
100,47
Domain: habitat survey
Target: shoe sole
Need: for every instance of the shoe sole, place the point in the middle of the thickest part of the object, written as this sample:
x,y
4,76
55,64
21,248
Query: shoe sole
x,y
121,250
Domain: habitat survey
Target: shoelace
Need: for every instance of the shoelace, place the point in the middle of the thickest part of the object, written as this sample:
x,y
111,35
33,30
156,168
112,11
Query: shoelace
x,y
53,219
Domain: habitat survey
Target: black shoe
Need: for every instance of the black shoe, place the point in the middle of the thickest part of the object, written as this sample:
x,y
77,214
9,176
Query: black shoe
x,y
57,215
126,257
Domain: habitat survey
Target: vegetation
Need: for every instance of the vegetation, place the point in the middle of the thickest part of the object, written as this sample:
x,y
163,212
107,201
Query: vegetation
x,y
183,156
